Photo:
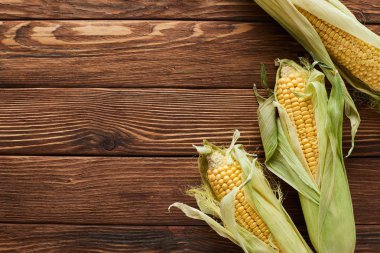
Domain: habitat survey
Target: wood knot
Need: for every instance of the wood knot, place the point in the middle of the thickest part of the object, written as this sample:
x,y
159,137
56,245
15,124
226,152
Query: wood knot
x,y
109,142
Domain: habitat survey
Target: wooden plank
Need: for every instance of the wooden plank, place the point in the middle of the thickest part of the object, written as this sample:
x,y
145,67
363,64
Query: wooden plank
x,y
139,53
134,191
132,9
247,10
64,238
148,122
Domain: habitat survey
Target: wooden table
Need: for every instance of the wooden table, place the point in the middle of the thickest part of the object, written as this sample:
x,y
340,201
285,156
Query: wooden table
x,y
101,101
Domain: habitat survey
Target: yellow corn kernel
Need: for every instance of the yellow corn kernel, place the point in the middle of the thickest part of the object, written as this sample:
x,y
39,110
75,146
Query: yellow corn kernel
x,y
356,56
245,215
302,115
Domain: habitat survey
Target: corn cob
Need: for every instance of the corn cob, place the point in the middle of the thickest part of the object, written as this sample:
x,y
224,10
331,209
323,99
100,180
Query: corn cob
x,y
356,56
223,177
299,125
238,202
301,112
333,36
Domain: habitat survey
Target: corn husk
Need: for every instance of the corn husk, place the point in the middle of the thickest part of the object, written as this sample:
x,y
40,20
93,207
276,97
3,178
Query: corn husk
x,y
220,215
326,200
333,12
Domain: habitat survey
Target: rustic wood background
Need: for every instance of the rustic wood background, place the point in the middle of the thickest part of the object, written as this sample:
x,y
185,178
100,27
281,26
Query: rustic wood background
x,y
100,102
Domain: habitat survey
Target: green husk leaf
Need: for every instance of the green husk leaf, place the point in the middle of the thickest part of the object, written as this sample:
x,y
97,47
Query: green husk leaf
x,y
336,204
199,215
277,153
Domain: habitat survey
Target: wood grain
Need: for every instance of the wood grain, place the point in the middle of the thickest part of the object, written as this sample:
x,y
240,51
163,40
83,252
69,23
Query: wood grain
x,y
148,122
132,9
134,191
58,238
139,53
366,11
247,10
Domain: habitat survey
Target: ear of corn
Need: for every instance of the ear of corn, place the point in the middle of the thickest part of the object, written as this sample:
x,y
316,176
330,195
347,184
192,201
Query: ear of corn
x,y
301,130
223,178
287,14
300,111
332,35
352,55
236,192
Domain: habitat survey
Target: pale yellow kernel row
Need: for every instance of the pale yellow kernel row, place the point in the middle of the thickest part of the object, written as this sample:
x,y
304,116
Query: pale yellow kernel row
x,y
223,178
300,111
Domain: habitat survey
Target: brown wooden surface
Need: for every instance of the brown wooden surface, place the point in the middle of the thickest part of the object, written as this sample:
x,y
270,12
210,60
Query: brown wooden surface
x,y
176,54
163,239
366,10
101,101
139,121
138,191
138,53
